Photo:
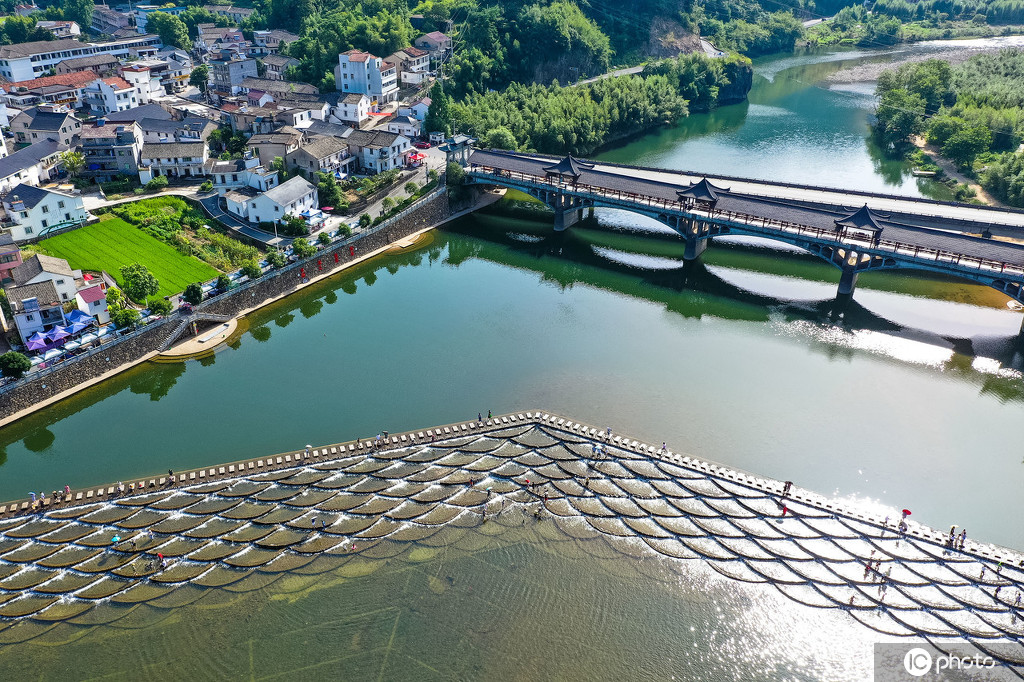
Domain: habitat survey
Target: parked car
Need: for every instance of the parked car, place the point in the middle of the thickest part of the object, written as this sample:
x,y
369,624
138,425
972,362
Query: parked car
x,y
422,144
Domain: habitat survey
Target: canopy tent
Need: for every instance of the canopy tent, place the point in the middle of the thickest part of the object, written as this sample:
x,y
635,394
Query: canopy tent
x,y
75,327
37,341
57,334
89,338
52,353
77,315
102,331
72,345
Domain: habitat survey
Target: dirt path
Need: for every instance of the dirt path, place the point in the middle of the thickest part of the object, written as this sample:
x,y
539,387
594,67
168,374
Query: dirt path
x,y
950,169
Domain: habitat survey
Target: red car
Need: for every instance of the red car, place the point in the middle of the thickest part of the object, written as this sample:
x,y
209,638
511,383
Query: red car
x,y
421,145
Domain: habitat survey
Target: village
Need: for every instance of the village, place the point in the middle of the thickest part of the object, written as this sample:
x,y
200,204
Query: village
x,y
219,137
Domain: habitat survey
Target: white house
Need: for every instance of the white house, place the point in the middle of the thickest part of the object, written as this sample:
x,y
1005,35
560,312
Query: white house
x,y
291,197
32,165
417,109
363,72
61,29
436,43
378,150
323,154
35,211
173,160
36,308
352,109
413,65
42,268
405,125
246,172
25,61
93,301
145,77
108,95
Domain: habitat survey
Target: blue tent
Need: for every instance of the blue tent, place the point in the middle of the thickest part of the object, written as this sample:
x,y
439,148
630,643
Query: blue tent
x,y
77,315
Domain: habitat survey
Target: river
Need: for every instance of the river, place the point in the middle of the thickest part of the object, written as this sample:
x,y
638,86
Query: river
x,y
911,397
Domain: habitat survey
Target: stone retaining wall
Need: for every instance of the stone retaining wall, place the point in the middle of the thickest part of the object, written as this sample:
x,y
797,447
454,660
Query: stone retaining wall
x,y
272,285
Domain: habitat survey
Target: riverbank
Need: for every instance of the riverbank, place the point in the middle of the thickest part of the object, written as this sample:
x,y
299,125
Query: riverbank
x,y
951,171
959,51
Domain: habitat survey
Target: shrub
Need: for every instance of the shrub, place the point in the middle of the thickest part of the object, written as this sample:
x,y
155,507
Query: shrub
x,y
344,229
14,364
124,317
411,187
365,220
156,183
324,238
206,186
266,226
223,282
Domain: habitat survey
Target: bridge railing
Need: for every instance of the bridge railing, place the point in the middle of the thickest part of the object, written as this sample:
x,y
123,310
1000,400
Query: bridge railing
x,y
906,250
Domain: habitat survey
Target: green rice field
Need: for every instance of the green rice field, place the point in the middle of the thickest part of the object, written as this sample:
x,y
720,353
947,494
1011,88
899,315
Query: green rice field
x,y
112,243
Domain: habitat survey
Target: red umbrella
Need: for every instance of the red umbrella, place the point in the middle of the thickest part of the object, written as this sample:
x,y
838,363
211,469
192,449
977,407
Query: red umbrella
x,y
906,512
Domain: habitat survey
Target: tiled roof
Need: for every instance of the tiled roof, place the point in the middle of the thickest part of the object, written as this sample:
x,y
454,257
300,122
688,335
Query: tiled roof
x,y
323,146
44,120
77,79
44,292
117,83
357,56
29,156
171,150
268,85
289,190
39,47
372,138
436,35
279,60
139,113
91,60
92,294
39,263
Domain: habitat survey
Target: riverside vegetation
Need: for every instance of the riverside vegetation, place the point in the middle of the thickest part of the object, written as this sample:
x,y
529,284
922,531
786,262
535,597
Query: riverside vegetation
x,y
973,112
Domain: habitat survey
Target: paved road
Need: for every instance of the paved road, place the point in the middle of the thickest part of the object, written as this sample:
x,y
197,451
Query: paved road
x,y
613,74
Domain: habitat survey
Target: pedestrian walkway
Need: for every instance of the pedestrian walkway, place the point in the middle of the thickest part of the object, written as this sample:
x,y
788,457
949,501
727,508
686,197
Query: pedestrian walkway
x,y
216,525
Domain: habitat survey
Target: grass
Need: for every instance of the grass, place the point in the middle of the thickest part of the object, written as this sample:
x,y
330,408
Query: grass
x,y
112,243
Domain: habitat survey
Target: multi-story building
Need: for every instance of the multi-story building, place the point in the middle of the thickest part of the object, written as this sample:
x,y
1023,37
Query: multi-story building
x,y
25,61
173,160
61,29
362,72
413,65
147,77
270,42
235,14
417,109
34,212
405,125
227,74
99,64
436,43
291,198
189,129
40,123
36,308
108,21
352,109
235,174
378,150
276,144
10,258
323,154
33,165
63,90
277,65
42,268
142,13
107,95
93,302
111,150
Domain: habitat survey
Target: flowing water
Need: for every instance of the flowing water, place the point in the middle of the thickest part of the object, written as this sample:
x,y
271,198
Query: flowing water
x,y
909,397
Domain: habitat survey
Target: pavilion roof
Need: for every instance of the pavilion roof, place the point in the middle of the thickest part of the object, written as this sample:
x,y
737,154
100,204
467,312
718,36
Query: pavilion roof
x,y
568,166
861,219
701,191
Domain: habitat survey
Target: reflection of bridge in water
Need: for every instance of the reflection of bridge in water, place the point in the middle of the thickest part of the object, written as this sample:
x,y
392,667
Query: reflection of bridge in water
x,y
883,233
355,501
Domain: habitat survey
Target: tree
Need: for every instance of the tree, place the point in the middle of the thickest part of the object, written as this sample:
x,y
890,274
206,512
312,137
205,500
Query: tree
x,y
115,298
14,364
302,248
432,175
439,115
279,165
387,205
411,187
365,220
193,293
965,144
78,10
138,282
124,317
293,225
200,77
158,306
500,137
171,29
329,192
276,259
251,269
73,162
899,115
323,239
454,174
223,282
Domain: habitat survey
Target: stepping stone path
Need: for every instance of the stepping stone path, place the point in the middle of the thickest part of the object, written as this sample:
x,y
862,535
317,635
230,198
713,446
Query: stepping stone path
x,y
222,524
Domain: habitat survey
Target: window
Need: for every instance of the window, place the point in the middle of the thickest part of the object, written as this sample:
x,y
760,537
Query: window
x,y
234,177
60,204
67,216
64,296
30,318
42,222
28,230
60,281
46,209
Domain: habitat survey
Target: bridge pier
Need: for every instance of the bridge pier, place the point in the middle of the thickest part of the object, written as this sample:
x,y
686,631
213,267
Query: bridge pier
x,y
694,248
566,217
847,282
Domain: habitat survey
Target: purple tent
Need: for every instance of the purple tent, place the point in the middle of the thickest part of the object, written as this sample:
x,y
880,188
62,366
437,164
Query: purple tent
x,y
56,334
36,342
